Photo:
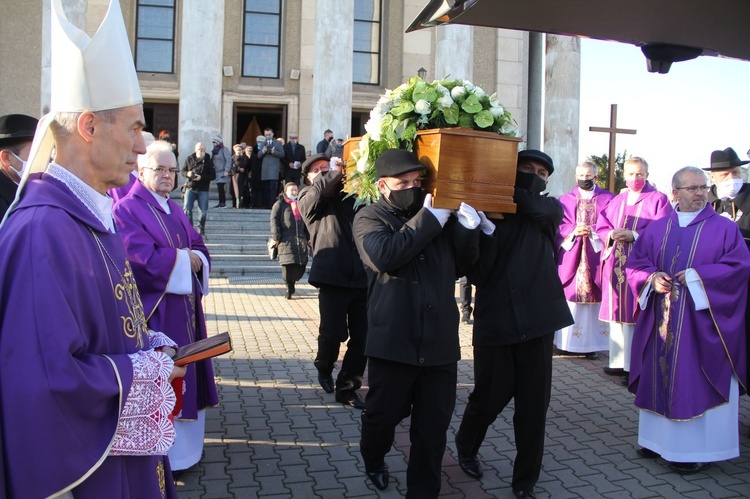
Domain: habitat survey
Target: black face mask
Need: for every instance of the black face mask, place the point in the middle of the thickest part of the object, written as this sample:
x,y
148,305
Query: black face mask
x,y
407,200
586,185
531,182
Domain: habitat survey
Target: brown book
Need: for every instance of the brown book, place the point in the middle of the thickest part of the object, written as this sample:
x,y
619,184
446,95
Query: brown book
x,y
203,349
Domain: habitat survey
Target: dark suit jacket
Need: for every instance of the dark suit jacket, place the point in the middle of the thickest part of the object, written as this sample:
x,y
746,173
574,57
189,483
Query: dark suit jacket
x,y
290,174
741,207
7,193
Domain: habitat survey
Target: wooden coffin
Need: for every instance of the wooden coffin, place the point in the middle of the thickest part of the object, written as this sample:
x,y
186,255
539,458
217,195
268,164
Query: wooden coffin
x,y
467,165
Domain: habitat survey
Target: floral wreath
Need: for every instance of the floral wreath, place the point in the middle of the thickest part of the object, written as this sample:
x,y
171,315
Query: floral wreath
x,y
419,105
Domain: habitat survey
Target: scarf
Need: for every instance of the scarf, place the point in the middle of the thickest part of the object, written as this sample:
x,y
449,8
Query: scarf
x,y
295,210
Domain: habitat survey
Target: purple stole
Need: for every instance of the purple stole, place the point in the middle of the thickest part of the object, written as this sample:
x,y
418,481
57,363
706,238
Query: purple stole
x,y
618,304
579,267
683,359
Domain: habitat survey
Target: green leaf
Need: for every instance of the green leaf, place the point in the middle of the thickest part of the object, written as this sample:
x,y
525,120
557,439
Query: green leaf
x,y
411,132
451,114
471,104
404,107
424,92
466,120
483,119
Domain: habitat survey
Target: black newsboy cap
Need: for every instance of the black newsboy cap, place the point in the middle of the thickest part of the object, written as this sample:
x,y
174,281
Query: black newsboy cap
x,y
312,159
539,157
395,162
15,128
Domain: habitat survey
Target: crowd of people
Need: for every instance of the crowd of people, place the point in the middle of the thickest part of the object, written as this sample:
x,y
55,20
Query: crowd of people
x,y
104,274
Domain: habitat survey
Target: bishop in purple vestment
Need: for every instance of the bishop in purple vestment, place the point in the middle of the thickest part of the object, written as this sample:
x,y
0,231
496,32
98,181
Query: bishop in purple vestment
x,y
618,226
578,249
690,272
170,263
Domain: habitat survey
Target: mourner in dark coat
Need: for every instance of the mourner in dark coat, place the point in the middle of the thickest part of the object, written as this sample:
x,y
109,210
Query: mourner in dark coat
x,y
290,234
519,304
16,134
412,253
339,275
730,197
294,156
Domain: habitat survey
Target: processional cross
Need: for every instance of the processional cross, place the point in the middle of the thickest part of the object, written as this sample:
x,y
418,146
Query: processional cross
x,y
613,131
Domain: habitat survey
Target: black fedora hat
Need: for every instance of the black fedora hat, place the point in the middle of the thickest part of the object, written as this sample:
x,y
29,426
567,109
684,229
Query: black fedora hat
x,y
16,128
724,160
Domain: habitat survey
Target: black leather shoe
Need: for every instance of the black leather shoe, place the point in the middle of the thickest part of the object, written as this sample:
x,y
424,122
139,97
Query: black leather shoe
x,y
614,371
466,317
523,493
352,399
326,383
379,478
625,382
592,356
647,453
471,467
687,468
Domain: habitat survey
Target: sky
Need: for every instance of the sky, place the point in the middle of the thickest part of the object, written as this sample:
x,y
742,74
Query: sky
x,y
680,117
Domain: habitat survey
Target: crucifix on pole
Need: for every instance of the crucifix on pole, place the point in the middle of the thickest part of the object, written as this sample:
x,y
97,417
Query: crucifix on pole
x,y
613,131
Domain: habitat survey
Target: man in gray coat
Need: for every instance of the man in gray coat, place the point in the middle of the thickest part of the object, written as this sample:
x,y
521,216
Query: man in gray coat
x,y
270,155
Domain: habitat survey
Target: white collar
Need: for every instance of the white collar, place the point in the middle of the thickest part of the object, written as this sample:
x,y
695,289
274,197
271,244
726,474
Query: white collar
x,y
685,218
163,202
586,194
99,205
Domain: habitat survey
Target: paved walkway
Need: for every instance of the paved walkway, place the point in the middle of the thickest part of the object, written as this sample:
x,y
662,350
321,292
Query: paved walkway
x,y
277,434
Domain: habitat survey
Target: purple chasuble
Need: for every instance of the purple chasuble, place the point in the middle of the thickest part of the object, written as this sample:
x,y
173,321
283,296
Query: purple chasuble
x,y
152,238
578,267
618,304
117,193
69,315
682,360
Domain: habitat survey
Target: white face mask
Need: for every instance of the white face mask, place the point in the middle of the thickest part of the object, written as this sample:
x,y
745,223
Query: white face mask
x,y
24,165
728,188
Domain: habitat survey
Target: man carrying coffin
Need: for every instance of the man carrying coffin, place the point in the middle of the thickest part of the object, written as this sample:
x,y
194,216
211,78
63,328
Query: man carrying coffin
x,y
618,227
689,271
84,398
578,250
170,264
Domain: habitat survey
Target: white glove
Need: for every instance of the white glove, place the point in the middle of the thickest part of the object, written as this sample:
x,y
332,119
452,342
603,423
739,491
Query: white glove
x,y
485,225
335,164
467,216
442,214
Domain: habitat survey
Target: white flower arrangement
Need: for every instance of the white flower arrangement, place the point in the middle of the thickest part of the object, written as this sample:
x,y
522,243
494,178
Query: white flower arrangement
x,y
419,105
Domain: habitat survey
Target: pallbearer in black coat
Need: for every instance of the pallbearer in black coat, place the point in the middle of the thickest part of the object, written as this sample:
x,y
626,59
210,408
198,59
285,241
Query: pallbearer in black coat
x,y
294,156
519,305
412,254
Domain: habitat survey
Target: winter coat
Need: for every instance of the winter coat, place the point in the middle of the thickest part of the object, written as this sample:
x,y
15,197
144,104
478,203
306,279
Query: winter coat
x,y
222,163
519,294
329,216
412,265
291,234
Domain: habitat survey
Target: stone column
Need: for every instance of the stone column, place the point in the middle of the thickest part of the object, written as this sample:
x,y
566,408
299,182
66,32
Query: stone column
x,y
200,74
332,69
536,91
562,109
454,56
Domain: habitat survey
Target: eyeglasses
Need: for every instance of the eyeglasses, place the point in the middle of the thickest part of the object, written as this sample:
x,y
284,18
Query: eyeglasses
x,y
161,170
694,188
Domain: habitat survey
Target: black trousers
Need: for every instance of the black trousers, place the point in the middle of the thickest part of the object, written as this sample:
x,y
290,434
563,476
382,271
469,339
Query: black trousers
x,y
222,194
464,295
343,315
522,372
429,395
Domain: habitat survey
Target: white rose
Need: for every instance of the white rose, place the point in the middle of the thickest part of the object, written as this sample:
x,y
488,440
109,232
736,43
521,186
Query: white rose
x,y
468,85
458,92
479,92
422,107
441,89
497,111
494,100
445,101
509,129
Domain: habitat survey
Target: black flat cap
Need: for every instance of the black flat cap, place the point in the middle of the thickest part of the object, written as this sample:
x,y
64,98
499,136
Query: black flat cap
x,y
539,157
312,159
395,162
724,160
15,128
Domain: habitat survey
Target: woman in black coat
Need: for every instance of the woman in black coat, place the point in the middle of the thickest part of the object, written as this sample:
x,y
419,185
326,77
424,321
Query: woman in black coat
x,y
290,235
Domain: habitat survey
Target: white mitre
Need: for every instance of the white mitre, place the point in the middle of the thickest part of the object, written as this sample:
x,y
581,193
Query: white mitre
x,y
92,74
